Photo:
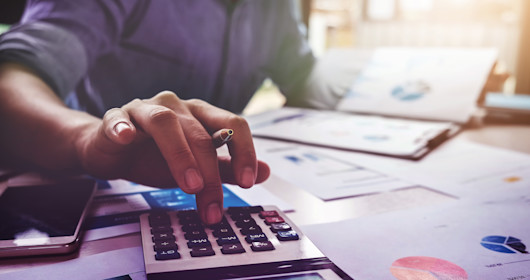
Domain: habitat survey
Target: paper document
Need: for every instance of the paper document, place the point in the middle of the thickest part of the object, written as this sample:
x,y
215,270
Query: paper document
x,y
459,241
373,134
321,174
459,167
422,83
119,264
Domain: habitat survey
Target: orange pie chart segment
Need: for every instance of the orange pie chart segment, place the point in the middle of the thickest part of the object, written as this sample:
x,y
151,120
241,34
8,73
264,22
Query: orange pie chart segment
x,y
426,268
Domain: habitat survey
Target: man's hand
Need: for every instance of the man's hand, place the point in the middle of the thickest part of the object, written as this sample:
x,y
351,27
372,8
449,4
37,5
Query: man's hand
x,y
165,140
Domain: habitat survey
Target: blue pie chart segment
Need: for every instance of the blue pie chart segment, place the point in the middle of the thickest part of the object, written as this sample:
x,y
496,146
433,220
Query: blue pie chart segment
x,y
504,244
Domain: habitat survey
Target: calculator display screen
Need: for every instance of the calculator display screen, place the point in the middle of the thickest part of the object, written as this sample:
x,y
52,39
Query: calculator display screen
x,y
43,212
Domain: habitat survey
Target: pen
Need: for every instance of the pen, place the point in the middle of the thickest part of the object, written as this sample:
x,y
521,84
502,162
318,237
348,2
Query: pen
x,y
222,136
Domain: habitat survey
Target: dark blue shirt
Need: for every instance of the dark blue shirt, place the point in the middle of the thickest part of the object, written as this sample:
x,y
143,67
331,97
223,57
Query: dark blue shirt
x,y
102,54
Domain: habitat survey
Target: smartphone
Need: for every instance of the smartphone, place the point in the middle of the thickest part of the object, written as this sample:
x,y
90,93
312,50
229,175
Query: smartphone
x,y
45,218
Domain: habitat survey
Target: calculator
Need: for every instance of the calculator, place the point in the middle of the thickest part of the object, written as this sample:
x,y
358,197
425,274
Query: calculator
x,y
251,242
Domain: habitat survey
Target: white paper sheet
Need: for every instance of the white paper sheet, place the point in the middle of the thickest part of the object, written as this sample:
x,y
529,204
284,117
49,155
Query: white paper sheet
x,y
459,167
424,83
123,262
441,243
373,134
321,174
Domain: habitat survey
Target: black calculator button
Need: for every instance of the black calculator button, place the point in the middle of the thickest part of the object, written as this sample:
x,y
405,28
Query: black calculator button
x,y
262,246
161,229
167,255
280,227
185,214
158,219
287,235
165,245
195,234
236,248
245,223
223,232
256,237
199,243
227,240
240,216
202,251
251,230
163,237
222,224
192,227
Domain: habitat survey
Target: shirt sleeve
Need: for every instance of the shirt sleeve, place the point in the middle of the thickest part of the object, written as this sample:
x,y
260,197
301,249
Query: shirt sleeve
x,y
293,59
60,40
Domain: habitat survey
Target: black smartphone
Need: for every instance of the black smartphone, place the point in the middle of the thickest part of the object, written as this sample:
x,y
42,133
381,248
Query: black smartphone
x,y
43,219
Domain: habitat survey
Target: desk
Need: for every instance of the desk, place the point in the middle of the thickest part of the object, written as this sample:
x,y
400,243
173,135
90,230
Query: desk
x,y
310,209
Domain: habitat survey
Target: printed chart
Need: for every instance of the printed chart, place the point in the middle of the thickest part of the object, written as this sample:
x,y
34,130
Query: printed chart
x,y
504,244
321,174
427,268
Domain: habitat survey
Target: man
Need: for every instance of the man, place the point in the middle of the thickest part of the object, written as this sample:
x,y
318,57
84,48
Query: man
x,y
78,84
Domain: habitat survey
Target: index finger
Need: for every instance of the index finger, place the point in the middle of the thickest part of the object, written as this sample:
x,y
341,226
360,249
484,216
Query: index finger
x,y
241,146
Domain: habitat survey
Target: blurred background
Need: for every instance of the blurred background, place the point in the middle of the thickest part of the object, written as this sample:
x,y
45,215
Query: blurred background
x,y
368,24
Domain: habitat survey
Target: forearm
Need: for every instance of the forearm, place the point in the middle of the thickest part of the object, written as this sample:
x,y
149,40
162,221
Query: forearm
x,y
37,128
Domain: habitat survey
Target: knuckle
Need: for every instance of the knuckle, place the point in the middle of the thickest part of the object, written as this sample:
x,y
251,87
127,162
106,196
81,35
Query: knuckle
x,y
112,113
202,142
181,154
162,114
166,96
195,102
238,122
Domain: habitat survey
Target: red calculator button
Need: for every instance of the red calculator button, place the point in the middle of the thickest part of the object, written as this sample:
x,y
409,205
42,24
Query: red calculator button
x,y
264,214
274,220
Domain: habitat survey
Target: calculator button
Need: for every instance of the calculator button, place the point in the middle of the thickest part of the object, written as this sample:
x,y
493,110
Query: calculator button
x,y
184,214
196,234
273,220
223,232
167,255
227,240
244,209
251,230
163,237
199,243
280,227
287,235
232,249
202,251
256,237
240,216
158,219
264,214
165,245
262,246
245,223
161,229
191,227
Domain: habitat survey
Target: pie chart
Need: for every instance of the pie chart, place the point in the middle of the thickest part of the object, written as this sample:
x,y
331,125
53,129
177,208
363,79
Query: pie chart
x,y
504,244
426,268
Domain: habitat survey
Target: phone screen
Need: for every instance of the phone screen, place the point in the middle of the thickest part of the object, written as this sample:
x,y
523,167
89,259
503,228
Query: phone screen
x,y
31,215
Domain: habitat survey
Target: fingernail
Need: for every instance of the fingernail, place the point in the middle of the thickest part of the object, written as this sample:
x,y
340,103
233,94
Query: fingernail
x,y
193,180
213,213
121,126
247,178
